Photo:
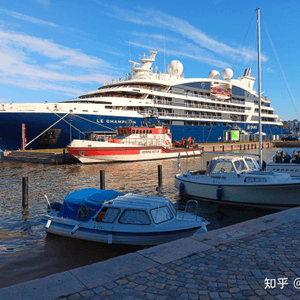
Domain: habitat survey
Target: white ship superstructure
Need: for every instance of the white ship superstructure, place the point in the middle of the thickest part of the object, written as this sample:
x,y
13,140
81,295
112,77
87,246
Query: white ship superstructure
x,y
205,109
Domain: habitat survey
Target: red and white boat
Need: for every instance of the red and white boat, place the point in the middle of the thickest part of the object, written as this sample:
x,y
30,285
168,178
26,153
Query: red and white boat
x,y
147,142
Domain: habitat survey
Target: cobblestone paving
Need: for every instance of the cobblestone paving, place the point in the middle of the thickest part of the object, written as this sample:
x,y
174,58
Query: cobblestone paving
x,y
261,266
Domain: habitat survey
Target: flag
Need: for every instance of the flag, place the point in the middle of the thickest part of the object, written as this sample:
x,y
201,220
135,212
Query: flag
x,y
179,162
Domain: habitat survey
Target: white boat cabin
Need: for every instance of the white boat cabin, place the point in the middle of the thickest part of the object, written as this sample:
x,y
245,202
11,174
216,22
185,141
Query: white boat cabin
x,y
134,209
228,164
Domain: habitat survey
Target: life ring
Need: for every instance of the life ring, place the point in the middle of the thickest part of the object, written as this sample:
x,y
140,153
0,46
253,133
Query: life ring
x,y
167,142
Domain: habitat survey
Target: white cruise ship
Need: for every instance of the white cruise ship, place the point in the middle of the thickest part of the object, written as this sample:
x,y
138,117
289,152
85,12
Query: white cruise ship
x,y
208,109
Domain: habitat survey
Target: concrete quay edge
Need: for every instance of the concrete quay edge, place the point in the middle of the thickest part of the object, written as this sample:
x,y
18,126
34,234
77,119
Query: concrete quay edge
x,y
92,276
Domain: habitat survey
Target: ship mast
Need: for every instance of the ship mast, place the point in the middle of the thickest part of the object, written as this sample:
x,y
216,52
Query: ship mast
x,y
259,89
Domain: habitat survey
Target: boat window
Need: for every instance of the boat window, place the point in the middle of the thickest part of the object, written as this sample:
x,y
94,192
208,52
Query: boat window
x,y
150,131
147,131
252,164
255,179
210,167
134,217
240,165
108,215
161,214
144,131
133,131
223,167
84,211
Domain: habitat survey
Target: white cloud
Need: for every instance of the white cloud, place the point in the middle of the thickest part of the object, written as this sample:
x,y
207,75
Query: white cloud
x,y
23,17
51,50
189,32
35,63
179,48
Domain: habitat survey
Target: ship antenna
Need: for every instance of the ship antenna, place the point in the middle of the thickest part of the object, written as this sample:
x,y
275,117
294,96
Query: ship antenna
x,y
165,69
129,50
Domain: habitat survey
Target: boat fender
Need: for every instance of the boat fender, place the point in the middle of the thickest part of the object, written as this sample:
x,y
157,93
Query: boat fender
x,y
48,224
219,193
54,206
181,189
167,142
75,229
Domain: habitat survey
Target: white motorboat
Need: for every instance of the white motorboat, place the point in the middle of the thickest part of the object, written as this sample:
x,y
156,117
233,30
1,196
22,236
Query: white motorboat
x,y
133,143
238,180
293,169
107,216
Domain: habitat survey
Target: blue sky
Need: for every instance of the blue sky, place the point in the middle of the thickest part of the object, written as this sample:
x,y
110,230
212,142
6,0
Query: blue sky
x,y
55,50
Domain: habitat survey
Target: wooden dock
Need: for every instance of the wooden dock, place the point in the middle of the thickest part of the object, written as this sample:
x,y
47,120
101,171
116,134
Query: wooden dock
x,y
48,156
229,147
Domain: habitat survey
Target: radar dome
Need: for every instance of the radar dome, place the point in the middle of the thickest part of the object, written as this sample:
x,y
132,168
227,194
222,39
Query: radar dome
x,y
175,68
227,74
214,74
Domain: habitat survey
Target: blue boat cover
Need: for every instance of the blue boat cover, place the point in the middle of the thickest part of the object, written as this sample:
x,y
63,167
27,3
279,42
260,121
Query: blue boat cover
x,y
82,205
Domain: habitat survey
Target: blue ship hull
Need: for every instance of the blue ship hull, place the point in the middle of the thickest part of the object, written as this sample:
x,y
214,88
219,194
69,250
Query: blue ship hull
x,y
60,135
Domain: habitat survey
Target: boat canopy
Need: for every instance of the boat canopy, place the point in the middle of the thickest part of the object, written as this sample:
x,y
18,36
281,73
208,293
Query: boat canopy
x,y
82,205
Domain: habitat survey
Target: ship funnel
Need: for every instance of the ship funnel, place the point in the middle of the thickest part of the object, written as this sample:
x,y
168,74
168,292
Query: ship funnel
x,y
247,72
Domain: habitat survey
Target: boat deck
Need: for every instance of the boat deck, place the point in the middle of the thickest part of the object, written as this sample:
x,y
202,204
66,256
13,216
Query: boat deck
x,y
47,156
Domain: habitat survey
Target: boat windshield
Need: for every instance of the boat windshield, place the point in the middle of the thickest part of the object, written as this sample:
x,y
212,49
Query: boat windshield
x,y
223,167
161,214
240,165
134,217
252,164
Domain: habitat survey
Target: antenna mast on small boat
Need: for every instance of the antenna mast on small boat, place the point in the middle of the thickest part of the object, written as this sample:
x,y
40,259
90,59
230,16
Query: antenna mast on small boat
x,y
259,88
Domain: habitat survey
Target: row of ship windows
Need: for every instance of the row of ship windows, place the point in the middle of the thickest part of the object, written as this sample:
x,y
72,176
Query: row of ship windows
x,y
207,86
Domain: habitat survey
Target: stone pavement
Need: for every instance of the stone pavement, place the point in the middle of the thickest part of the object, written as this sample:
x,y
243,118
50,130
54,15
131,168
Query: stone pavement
x,y
257,259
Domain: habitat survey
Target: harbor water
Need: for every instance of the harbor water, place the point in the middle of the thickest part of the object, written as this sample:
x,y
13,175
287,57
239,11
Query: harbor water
x,y
26,252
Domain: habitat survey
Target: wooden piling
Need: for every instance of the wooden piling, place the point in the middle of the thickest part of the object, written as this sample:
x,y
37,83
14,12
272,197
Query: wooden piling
x,y
25,192
159,175
102,180
64,156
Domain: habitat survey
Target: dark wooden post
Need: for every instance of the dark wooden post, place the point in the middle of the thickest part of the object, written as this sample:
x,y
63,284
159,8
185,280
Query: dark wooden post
x,y
25,192
159,175
102,180
64,156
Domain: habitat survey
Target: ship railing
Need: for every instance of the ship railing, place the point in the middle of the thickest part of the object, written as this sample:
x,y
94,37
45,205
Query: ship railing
x,y
144,142
183,116
200,106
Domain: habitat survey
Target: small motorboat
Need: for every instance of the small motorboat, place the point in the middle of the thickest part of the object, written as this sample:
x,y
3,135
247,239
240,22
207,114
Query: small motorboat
x,y
239,180
110,217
